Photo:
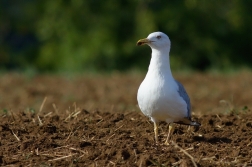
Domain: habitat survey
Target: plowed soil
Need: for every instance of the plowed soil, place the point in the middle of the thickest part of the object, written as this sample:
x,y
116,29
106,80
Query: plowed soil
x,y
94,121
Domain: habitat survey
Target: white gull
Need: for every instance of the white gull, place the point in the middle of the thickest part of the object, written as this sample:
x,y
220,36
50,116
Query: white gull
x,y
160,96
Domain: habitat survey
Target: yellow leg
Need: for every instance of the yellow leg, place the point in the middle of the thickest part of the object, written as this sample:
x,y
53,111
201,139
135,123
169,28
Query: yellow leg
x,y
170,132
156,132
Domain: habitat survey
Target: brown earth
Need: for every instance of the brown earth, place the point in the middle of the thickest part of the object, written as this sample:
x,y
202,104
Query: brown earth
x,y
94,121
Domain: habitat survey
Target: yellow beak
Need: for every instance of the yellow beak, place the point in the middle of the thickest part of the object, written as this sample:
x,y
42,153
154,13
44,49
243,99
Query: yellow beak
x,y
143,41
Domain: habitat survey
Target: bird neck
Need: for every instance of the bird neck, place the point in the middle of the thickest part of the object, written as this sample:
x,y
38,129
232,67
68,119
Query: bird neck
x,y
160,62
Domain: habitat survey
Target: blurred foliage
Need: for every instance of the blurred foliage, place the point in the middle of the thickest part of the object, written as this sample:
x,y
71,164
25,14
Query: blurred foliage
x,y
77,35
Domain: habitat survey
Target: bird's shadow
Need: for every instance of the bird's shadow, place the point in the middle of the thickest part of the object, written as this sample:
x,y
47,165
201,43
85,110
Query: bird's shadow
x,y
213,140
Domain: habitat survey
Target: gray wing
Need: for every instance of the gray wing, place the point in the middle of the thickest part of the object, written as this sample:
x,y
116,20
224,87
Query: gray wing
x,y
184,95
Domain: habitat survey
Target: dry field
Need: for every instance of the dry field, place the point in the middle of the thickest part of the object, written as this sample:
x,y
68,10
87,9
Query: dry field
x,y
52,120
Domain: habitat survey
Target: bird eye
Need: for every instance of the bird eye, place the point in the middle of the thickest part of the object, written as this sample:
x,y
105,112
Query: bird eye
x,y
158,37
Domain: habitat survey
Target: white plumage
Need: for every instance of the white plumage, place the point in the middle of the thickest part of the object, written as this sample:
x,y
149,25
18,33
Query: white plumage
x,y
160,96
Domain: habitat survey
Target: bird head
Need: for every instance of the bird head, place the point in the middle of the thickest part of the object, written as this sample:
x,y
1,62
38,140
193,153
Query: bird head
x,y
156,40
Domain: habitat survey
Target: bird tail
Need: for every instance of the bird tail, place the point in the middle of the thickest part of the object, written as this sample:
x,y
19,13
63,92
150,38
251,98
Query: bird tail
x,y
188,121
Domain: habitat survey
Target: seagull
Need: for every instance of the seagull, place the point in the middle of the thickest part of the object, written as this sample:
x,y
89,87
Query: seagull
x,y
160,96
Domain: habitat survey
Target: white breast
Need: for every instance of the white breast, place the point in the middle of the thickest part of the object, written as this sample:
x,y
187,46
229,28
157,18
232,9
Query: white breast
x,y
159,99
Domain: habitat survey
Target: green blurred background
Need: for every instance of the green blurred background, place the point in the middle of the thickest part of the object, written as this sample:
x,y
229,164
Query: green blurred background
x,y
97,35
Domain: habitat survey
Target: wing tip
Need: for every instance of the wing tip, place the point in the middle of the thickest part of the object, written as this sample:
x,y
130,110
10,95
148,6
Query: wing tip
x,y
195,123
187,121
